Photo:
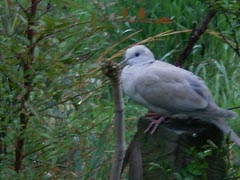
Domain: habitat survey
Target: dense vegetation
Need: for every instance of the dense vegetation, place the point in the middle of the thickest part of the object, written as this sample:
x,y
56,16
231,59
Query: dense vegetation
x,y
56,106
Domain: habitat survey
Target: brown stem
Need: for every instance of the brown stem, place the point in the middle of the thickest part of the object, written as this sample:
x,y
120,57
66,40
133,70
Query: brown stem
x,y
112,70
19,153
194,37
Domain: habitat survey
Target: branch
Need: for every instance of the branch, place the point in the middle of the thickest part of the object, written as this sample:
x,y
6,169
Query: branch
x,y
194,37
113,71
235,46
232,108
24,116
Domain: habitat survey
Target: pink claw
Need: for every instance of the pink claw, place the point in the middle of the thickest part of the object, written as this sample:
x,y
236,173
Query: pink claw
x,y
154,124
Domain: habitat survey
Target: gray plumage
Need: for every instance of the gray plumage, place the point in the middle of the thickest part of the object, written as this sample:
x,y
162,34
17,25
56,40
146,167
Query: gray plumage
x,y
169,90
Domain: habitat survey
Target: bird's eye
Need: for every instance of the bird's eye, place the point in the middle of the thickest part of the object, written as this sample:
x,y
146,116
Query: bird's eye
x,y
137,54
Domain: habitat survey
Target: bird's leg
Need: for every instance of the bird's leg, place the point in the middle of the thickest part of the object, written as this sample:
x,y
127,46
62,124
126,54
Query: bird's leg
x,y
154,124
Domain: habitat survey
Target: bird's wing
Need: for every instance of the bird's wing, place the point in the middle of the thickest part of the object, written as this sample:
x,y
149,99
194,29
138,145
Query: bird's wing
x,y
172,88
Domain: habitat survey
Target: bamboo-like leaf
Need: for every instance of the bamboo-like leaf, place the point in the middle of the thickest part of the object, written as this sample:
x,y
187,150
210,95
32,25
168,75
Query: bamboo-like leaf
x,y
141,13
94,20
9,2
124,12
164,20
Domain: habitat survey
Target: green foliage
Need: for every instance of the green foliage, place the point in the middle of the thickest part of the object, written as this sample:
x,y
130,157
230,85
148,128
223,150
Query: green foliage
x,y
162,168
63,95
200,163
63,113
198,166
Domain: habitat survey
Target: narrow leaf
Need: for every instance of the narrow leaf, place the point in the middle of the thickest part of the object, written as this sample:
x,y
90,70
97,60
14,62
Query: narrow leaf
x,y
164,20
124,12
141,13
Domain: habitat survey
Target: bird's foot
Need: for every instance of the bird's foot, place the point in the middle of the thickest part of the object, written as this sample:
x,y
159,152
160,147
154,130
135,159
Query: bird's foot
x,y
154,124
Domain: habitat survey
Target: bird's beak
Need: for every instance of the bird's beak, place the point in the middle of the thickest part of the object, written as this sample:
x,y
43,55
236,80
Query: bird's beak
x,y
123,63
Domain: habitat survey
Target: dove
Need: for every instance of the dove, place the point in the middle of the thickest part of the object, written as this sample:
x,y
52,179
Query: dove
x,y
170,91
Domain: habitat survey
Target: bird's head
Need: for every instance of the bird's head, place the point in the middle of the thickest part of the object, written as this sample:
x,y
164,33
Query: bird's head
x,y
139,54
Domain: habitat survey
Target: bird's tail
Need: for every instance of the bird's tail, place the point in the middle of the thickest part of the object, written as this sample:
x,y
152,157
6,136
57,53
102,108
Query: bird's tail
x,y
222,125
229,114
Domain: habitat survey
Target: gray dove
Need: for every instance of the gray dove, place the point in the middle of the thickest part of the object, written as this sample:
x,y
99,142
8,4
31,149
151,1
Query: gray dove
x,y
170,91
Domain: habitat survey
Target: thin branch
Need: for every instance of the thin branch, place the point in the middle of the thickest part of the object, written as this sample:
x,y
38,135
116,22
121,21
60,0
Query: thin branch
x,y
194,37
41,37
22,8
112,70
72,97
236,48
37,150
232,108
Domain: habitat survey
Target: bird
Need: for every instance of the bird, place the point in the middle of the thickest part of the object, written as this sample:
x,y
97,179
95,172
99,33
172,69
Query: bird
x,y
170,91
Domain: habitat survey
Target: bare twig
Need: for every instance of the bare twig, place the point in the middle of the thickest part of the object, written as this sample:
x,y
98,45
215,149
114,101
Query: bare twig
x,y
232,108
235,45
112,70
195,35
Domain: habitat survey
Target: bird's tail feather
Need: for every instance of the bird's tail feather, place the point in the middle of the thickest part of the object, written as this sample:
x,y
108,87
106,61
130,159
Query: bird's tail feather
x,y
222,125
230,114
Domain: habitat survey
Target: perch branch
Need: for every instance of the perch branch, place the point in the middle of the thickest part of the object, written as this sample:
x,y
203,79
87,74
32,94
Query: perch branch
x,y
194,37
113,71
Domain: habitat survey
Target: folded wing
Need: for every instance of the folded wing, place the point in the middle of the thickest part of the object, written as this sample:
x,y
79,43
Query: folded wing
x,y
172,88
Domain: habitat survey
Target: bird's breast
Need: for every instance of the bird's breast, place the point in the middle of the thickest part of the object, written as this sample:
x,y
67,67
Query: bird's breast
x,y
128,77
